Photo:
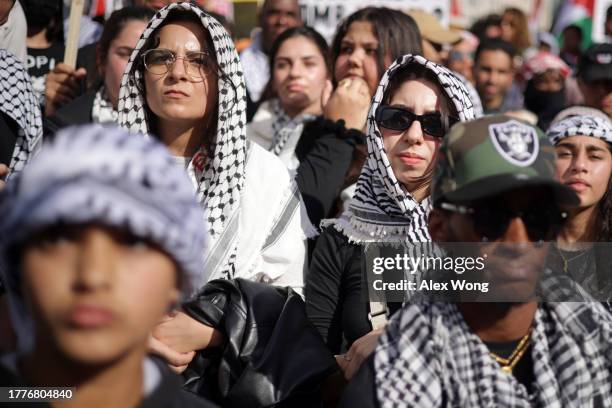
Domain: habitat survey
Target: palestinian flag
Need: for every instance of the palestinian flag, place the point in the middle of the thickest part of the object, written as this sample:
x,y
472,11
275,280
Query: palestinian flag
x,y
578,13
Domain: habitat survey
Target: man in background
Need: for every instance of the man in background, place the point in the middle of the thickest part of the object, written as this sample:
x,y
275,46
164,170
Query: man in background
x,y
494,75
595,77
275,17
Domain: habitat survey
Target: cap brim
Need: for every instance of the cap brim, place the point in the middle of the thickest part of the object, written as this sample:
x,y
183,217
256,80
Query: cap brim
x,y
442,36
494,185
597,73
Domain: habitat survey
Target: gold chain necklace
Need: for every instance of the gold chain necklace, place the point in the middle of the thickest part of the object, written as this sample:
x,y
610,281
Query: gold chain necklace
x,y
508,364
566,261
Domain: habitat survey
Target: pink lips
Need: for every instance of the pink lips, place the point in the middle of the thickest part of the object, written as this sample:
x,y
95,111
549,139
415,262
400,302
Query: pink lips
x,y
175,93
578,185
91,317
410,158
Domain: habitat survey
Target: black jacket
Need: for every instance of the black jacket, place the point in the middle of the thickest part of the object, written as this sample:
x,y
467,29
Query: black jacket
x,y
167,394
76,112
336,293
272,355
325,151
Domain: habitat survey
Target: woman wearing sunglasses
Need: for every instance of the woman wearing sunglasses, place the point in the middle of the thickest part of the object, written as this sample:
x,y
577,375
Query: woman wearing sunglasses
x,y
184,83
414,106
584,163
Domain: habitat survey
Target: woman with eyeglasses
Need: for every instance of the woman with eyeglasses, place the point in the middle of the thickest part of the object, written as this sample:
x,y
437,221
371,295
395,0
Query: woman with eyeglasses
x,y
120,35
583,143
414,106
184,83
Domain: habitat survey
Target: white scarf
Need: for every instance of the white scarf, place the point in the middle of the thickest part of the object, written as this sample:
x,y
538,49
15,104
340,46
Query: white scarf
x,y
381,209
103,110
19,102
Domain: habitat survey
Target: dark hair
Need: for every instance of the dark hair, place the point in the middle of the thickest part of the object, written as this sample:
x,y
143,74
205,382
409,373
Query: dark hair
x,y
303,31
495,44
605,211
396,32
479,28
117,22
521,39
575,28
415,71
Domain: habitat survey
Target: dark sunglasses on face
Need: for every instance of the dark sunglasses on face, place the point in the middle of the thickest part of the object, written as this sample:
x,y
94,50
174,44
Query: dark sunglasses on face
x,y
395,118
492,221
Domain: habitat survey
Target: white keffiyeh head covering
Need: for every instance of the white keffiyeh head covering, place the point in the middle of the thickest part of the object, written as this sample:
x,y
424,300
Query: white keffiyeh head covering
x,y
18,101
584,125
382,210
101,174
222,179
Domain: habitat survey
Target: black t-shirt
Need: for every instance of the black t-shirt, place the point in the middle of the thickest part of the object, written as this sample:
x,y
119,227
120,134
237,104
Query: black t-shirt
x,y
40,62
335,301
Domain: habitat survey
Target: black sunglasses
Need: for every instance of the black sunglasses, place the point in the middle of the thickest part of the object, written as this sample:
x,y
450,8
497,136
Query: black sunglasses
x,y
491,221
395,118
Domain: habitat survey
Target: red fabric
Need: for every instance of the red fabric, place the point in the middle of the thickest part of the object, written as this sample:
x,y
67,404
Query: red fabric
x,y
543,61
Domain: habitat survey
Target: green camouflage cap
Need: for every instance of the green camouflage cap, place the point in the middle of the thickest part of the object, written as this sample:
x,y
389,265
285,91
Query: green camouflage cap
x,y
492,155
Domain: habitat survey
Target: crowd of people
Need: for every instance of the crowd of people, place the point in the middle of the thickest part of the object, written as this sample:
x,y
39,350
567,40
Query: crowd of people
x,y
187,225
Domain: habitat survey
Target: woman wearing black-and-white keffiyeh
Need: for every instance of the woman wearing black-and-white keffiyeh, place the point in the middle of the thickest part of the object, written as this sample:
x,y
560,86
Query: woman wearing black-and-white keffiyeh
x,y
184,83
414,105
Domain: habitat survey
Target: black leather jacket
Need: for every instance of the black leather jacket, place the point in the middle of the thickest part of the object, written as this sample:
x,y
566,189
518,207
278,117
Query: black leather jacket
x,y
272,355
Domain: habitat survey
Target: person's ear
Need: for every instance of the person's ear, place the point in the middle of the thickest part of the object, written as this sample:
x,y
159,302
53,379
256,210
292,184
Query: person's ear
x,y
438,225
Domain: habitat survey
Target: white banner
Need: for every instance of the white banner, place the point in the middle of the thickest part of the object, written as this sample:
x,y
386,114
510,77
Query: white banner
x,y
325,15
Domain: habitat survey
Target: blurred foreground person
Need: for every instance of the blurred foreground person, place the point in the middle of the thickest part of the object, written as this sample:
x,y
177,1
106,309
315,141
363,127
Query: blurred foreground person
x,y
514,350
96,248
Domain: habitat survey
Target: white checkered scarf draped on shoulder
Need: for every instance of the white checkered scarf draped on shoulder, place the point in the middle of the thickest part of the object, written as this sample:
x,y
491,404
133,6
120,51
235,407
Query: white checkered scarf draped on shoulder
x,y
381,209
222,179
18,101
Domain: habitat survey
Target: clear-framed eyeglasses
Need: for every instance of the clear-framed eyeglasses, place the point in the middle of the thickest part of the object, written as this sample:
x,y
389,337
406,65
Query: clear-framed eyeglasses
x,y
159,61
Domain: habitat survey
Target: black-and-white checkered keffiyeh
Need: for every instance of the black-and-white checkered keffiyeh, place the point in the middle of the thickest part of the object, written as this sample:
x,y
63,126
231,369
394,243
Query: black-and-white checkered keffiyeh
x,y
101,174
18,101
221,180
284,126
584,125
381,209
428,357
